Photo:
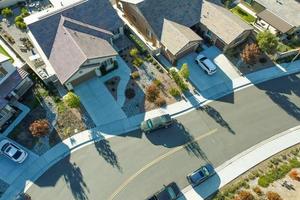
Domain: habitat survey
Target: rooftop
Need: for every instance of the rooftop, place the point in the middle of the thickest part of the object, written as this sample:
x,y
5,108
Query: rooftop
x,y
288,10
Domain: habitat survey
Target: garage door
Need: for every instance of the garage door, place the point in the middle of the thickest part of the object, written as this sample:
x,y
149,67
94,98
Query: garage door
x,y
83,78
190,49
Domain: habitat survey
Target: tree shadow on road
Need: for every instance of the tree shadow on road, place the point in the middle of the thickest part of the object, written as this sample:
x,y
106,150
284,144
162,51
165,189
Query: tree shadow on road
x,y
214,114
104,149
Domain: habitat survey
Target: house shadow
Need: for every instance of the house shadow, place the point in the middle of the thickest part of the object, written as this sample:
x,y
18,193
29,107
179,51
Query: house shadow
x,y
215,115
279,90
175,136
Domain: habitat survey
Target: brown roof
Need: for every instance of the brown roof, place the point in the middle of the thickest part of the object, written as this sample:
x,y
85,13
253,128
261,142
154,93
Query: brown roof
x,y
275,21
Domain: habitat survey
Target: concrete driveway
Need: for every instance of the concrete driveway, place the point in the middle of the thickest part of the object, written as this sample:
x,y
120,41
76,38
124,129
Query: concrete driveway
x,y
10,170
98,101
208,85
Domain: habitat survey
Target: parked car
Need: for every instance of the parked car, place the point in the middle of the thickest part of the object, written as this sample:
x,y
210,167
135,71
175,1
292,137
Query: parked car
x,y
12,151
163,121
169,192
207,65
201,174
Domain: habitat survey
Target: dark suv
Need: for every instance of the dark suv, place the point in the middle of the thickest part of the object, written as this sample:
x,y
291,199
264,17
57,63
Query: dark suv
x,y
169,192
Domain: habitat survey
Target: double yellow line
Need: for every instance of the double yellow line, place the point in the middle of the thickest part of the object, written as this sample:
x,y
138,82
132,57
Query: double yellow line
x,y
131,178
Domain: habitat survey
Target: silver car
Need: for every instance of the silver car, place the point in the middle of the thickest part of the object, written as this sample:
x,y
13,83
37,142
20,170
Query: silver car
x,y
207,65
12,151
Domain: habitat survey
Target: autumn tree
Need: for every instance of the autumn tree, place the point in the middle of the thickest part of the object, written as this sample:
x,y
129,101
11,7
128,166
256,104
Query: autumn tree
x,y
250,53
39,128
152,92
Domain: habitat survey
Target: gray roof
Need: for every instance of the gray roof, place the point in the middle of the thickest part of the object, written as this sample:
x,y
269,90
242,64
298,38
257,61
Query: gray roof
x,y
184,12
176,36
73,35
275,21
222,22
287,10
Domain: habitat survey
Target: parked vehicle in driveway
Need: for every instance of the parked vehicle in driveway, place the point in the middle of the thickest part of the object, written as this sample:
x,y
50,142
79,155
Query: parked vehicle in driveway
x,y
200,174
12,151
163,121
169,192
207,65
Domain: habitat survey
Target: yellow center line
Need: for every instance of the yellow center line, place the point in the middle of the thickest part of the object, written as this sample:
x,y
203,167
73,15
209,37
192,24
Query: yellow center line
x,y
125,183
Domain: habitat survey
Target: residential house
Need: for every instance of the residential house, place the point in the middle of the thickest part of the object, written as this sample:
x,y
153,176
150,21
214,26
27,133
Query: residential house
x,y
170,24
281,17
14,83
76,41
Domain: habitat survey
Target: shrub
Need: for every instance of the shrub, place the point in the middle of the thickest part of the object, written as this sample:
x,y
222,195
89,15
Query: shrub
x,y
294,163
273,196
178,80
134,52
294,175
24,12
267,41
157,82
263,181
6,12
258,191
244,195
184,71
135,75
129,93
21,25
152,92
72,100
174,92
39,128
139,43
137,62
19,19
160,102
250,53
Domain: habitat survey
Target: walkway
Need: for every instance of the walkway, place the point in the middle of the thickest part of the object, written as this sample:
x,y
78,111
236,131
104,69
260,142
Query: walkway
x,y
248,10
242,163
17,62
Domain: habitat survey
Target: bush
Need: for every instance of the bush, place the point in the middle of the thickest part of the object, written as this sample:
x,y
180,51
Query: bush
x,y
244,195
135,75
258,191
273,196
134,52
21,25
19,19
24,12
6,12
184,71
263,181
139,43
178,80
39,128
250,53
157,82
294,163
174,92
160,102
137,62
152,92
267,41
72,100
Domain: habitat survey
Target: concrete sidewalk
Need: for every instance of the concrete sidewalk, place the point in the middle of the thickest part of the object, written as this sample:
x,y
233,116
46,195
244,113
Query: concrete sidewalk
x,y
242,163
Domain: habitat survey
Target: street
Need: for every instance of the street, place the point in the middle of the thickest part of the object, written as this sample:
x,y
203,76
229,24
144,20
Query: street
x,y
134,165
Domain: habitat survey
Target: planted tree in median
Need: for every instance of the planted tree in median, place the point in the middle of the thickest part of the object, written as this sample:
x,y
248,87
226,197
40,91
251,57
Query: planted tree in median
x,y
250,53
72,100
39,128
267,42
184,71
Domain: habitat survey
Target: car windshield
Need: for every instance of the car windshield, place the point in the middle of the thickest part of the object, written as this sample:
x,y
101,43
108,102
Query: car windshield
x,y
204,171
171,192
204,58
4,147
17,154
149,123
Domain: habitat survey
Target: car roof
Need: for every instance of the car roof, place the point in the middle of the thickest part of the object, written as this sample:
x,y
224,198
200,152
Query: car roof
x,y
209,64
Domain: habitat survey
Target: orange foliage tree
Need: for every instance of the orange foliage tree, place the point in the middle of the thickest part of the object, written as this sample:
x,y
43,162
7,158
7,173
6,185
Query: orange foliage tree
x,y
39,128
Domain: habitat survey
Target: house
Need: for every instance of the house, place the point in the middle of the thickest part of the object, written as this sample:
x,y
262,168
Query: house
x,y
76,41
13,85
170,24
281,17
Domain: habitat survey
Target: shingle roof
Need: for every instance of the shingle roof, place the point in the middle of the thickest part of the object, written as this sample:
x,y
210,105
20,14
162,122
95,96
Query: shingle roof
x,y
222,22
10,84
275,21
66,37
176,36
185,12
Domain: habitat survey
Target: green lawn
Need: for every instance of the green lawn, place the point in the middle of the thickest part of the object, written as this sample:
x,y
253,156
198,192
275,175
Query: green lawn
x,y
2,51
243,14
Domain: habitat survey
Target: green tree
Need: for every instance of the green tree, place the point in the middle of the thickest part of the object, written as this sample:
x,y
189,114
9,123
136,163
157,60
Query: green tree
x,y
267,42
134,52
6,12
72,100
184,71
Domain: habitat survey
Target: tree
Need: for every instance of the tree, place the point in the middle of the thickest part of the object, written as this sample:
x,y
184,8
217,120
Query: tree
x,y
39,128
72,100
250,53
6,12
267,42
184,71
134,52
152,92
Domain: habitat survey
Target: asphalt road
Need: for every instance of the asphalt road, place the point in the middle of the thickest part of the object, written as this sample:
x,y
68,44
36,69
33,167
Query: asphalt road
x,y
134,166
